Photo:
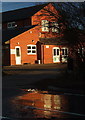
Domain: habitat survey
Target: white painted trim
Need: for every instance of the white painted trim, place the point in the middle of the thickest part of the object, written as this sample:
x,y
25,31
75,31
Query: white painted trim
x,y
56,56
43,27
63,56
12,51
47,46
56,48
31,53
20,53
19,48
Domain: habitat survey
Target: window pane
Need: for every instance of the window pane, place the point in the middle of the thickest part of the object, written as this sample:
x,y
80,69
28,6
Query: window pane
x,y
45,29
9,25
29,47
66,52
29,51
17,52
54,52
54,29
55,59
57,51
33,47
13,24
33,51
45,23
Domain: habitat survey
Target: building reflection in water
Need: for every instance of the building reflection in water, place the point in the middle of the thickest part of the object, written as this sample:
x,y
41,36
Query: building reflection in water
x,y
39,104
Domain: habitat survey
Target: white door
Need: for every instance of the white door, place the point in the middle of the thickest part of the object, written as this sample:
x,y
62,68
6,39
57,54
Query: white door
x,y
56,54
64,54
18,55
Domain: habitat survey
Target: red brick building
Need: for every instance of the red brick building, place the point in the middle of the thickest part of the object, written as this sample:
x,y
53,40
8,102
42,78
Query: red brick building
x,y
32,35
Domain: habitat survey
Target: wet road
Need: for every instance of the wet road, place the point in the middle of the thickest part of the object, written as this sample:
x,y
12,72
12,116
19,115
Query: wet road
x,y
37,104
32,103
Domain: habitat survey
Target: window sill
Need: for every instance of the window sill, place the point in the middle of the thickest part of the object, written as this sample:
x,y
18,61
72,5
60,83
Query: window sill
x,y
31,53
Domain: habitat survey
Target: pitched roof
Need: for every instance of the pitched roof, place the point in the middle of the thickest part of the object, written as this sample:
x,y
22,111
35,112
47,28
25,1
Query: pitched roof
x,y
21,13
8,34
53,41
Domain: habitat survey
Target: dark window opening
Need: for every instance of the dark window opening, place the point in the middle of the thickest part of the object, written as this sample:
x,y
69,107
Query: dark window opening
x,y
29,51
66,52
33,47
33,51
17,52
54,52
57,51
29,47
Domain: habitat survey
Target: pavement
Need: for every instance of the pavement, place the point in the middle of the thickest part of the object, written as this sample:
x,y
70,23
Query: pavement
x,y
41,76
29,74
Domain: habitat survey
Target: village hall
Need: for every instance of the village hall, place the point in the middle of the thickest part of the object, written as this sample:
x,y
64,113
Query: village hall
x,y
33,35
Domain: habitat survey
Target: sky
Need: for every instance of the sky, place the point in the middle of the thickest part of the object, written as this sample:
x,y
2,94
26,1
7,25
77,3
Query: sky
x,y
8,5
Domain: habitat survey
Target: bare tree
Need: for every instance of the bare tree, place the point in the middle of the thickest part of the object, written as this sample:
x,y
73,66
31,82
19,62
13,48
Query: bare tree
x,y
55,21
69,17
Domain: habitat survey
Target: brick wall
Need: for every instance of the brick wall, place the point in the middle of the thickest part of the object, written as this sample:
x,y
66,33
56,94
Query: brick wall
x,y
48,53
32,37
38,17
23,40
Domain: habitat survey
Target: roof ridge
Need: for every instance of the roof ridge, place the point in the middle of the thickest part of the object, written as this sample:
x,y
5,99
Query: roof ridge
x,y
22,13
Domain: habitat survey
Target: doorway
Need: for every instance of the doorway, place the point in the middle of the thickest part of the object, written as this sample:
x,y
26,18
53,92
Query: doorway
x,y
64,53
56,54
18,55
60,55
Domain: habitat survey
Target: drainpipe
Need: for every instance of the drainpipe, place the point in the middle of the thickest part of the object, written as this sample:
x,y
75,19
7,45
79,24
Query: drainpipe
x,y
60,55
42,53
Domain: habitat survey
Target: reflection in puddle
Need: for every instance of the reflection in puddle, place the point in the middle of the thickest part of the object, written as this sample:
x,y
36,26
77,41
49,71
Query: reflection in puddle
x,y
39,104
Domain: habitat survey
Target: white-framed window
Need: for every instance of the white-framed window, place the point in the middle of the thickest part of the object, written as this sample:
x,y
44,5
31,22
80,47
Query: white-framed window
x,y
56,51
45,25
31,49
64,51
55,27
83,51
11,25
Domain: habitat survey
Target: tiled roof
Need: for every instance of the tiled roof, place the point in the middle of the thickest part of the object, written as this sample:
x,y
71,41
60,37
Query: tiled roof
x,y
21,13
53,41
8,34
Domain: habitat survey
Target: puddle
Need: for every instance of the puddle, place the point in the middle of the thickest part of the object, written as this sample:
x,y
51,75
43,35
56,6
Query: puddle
x,y
34,104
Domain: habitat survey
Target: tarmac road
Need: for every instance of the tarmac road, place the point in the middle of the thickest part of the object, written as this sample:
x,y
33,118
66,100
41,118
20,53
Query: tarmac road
x,y
19,77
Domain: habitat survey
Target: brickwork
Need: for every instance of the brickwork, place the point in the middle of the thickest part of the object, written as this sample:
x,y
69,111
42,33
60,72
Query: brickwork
x,y
23,40
44,53
49,13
